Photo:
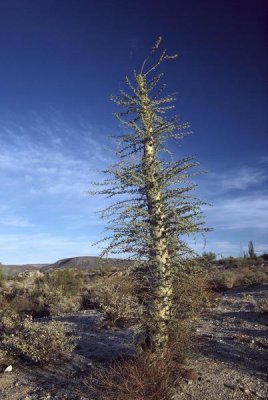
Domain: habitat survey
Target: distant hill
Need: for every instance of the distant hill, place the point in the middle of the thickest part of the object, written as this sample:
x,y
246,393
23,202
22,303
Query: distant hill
x,y
87,262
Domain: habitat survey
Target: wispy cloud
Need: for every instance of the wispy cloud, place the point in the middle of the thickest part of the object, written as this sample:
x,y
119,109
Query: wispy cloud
x,y
43,247
241,178
51,164
12,221
247,212
47,166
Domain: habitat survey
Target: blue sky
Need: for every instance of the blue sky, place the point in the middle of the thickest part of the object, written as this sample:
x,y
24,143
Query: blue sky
x,y
59,63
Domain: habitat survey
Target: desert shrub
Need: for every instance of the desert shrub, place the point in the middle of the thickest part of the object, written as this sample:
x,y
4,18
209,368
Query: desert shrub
x,y
207,259
53,293
21,304
191,292
33,341
67,281
247,274
143,378
115,295
47,300
65,305
4,304
2,275
252,277
224,280
262,306
245,262
182,342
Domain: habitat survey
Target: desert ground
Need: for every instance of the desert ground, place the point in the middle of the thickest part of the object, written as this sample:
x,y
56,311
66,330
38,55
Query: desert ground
x,y
230,360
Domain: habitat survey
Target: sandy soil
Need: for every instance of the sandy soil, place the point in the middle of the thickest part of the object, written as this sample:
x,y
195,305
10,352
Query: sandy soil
x,y
232,362
233,358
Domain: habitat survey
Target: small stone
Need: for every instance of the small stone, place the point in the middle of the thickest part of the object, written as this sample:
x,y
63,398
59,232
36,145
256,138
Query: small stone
x,y
245,390
8,369
189,382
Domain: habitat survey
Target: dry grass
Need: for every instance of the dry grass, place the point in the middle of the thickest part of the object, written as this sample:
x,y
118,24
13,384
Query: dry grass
x,y
144,378
244,275
191,292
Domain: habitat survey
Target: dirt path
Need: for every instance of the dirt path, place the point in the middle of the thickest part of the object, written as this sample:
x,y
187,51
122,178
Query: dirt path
x,y
232,361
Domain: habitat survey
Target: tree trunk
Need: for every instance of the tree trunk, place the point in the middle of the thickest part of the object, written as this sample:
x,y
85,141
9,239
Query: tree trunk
x,y
160,268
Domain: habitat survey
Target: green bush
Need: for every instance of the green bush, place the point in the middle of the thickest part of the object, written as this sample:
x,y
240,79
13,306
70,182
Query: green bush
x,y
32,341
53,293
67,281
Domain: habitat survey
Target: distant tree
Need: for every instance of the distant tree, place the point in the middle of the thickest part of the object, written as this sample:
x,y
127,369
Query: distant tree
x,y
156,208
209,255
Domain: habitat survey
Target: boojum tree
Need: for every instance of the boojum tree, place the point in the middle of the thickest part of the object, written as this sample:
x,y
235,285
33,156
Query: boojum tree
x,y
154,208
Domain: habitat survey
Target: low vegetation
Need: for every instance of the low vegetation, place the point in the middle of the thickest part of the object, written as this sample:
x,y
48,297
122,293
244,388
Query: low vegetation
x,y
115,293
31,341
144,378
239,275
262,306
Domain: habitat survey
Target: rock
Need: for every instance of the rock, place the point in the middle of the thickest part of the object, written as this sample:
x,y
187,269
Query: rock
x,y
8,369
245,390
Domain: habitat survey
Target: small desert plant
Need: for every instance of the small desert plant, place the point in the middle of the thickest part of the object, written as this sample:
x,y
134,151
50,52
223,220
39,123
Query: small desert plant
x,y
68,281
47,300
182,343
262,306
143,378
32,341
53,293
224,280
115,295
245,274
191,292
208,258
2,275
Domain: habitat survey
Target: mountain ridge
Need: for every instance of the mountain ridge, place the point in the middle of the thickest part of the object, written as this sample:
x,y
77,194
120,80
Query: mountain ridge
x,y
80,262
